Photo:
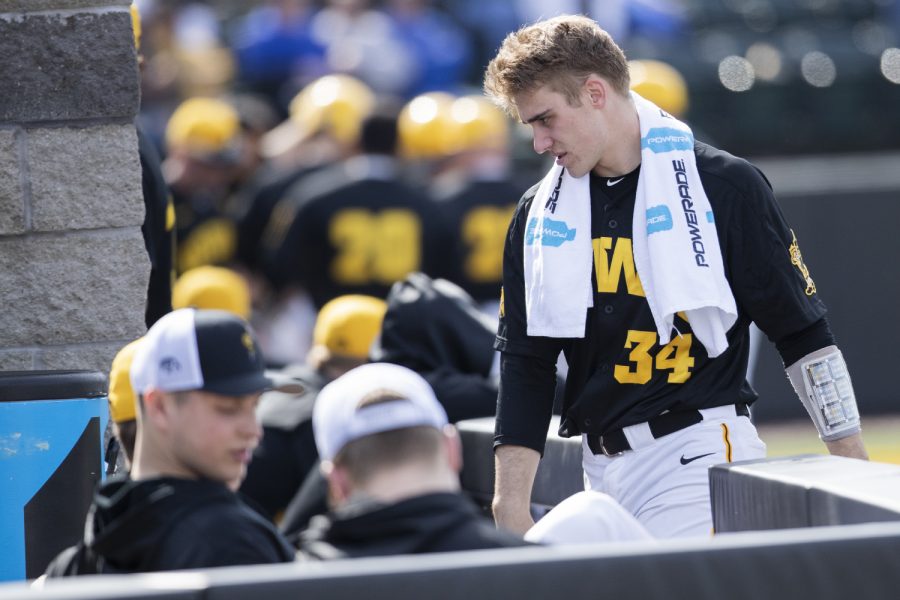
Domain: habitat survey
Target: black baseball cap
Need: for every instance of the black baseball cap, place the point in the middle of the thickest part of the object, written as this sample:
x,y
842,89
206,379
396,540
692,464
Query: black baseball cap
x,y
209,350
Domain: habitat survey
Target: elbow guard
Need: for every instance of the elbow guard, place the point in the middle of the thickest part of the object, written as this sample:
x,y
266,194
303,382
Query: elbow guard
x,y
822,382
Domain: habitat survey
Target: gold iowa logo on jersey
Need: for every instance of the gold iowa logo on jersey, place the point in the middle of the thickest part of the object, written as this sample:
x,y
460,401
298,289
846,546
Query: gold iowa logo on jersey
x,y
797,261
247,340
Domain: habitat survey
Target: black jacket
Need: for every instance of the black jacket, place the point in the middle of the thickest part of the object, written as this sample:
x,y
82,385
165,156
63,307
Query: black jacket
x,y
440,522
435,328
166,524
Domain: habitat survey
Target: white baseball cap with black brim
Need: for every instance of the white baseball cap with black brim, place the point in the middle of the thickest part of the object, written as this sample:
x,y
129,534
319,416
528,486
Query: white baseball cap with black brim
x,y
208,350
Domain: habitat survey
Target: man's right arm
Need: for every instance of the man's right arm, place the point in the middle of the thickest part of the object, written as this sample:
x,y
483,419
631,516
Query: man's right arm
x,y
527,386
515,468
524,407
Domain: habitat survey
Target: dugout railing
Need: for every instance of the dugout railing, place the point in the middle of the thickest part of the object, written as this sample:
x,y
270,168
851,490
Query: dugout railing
x,y
838,561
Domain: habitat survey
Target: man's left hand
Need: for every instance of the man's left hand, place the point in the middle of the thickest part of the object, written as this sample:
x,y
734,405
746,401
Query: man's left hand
x,y
851,446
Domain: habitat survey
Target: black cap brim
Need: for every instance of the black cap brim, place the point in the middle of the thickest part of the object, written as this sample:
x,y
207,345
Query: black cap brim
x,y
252,383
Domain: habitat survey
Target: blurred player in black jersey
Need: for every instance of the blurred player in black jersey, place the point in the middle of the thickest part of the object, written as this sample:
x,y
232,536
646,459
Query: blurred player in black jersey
x,y
475,193
323,127
356,228
158,228
657,396
203,144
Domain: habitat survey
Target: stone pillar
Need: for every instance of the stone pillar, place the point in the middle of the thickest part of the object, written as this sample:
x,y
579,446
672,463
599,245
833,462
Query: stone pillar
x,y
73,268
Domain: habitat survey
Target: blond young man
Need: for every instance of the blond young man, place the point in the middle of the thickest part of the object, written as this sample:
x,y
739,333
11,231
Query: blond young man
x,y
198,375
643,256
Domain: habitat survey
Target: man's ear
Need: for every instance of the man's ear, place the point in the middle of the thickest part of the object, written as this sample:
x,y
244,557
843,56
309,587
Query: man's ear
x,y
339,486
158,408
597,90
453,447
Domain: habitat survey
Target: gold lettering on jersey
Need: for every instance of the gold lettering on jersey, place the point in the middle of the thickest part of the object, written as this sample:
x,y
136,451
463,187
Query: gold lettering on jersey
x,y
797,261
502,304
374,247
484,231
209,243
611,261
675,357
247,341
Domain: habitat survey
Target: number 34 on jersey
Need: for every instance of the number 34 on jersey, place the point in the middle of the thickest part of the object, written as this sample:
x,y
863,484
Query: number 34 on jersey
x,y
613,261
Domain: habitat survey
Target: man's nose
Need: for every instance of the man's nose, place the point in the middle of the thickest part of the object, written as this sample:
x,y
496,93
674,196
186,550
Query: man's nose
x,y
542,142
251,427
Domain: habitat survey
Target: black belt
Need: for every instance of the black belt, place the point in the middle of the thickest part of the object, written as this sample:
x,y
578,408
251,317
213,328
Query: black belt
x,y
614,442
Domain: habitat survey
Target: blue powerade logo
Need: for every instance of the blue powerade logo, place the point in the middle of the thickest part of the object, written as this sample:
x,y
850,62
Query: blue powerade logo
x,y
555,233
667,139
659,218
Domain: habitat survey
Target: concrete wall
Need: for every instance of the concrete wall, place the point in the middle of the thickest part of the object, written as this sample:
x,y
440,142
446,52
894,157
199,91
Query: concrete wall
x,y
73,269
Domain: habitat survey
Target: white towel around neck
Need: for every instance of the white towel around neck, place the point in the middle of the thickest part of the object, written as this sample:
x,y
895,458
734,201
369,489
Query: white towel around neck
x,y
558,256
675,245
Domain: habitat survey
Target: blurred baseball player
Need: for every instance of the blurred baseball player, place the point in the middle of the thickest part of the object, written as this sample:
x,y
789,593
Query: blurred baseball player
x,y
643,256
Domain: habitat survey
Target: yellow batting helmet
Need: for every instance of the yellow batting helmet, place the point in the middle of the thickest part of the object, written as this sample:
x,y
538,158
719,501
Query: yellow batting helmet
x,y
122,401
425,127
348,325
212,288
335,104
479,124
661,84
203,126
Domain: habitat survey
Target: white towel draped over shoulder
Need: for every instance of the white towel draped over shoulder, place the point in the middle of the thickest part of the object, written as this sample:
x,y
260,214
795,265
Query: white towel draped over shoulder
x,y
676,248
558,256
675,245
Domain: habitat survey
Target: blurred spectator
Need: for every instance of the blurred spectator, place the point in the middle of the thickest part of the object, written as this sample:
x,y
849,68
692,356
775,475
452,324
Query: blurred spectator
x,y
392,464
620,18
345,329
275,51
199,375
356,228
205,65
185,58
441,49
361,41
216,288
487,23
612,15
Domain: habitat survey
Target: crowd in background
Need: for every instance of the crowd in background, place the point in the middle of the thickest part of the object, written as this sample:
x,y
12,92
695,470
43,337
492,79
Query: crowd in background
x,y
770,61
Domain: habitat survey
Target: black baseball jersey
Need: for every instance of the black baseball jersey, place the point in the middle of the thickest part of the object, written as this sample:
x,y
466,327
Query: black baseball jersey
x,y
206,234
158,230
257,202
475,218
619,374
354,229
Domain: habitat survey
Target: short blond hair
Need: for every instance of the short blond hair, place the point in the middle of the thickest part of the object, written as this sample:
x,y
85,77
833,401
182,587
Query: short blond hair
x,y
560,52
